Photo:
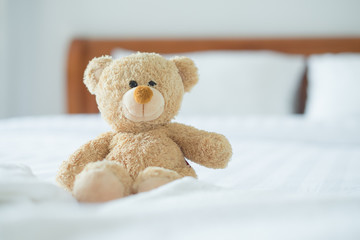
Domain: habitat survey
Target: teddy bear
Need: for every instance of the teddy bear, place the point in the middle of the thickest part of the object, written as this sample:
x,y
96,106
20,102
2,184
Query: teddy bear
x,y
138,96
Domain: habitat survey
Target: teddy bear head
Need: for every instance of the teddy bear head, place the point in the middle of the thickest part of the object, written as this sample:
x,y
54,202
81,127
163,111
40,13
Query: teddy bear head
x,y
140,91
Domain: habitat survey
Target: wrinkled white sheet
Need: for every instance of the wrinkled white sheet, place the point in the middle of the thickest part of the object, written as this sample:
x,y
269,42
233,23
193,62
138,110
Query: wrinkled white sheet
x,y
289,178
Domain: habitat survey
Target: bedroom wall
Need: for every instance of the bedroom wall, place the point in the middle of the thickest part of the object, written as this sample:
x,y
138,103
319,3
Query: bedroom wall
x,y
4,111
39,31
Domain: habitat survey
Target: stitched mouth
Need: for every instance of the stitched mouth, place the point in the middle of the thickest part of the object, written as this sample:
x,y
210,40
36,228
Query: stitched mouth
x,y
145,115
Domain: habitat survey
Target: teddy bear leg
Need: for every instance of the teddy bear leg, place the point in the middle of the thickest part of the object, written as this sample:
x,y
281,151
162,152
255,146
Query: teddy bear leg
x,y
102,181
153,177
186,171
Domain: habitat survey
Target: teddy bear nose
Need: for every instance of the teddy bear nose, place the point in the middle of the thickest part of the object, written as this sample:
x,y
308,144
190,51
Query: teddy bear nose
x,y
143,94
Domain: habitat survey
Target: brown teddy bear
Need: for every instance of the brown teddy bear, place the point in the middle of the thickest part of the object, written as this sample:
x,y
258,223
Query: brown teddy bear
x,y
138,96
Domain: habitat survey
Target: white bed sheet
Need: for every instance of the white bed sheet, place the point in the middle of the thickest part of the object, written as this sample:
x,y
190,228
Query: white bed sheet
x,y
289,178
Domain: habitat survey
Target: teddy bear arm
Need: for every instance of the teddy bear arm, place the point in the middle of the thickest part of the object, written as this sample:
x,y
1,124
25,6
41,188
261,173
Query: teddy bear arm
x,y
92,151
206,148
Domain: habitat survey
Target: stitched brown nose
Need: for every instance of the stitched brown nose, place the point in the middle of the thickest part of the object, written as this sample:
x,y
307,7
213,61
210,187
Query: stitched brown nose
x,y
143,94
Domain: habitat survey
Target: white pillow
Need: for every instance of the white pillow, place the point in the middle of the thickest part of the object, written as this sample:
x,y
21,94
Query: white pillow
x,y
242,82
117,53
334,86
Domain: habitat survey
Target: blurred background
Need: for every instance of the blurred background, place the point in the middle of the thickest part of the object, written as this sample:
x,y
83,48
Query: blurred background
x,y
35,34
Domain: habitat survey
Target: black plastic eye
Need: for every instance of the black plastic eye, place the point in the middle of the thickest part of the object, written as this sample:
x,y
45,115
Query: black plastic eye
x,y
152,83
133,84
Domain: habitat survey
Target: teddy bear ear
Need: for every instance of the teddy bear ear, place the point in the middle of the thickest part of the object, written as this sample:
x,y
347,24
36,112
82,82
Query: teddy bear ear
x,y
187,70
93,72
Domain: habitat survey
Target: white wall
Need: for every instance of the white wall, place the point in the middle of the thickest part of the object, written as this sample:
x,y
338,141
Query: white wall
x,y
4,110
38,32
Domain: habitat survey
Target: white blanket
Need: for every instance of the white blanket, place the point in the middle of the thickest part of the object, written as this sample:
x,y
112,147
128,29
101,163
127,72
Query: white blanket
x,y
288,179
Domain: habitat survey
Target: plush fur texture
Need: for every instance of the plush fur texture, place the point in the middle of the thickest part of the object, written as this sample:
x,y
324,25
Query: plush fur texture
x,y
142,152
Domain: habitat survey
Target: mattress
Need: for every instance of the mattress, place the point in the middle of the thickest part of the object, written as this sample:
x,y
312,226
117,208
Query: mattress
x,y
289,178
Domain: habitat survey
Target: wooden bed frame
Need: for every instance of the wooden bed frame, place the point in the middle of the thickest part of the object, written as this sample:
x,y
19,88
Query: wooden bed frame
x,y
82,51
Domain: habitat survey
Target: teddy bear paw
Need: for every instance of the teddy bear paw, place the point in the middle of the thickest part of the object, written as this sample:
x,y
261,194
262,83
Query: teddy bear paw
x,y
97,186
153,177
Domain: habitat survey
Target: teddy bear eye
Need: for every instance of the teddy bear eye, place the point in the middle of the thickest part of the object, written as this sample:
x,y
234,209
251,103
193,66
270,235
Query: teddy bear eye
x,y
152,83
133,84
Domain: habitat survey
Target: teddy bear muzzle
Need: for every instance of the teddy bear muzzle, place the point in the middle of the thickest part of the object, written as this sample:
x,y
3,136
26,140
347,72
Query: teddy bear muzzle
x,y
142,104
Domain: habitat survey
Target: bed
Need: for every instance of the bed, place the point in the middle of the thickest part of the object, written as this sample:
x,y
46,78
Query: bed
x,y
295,168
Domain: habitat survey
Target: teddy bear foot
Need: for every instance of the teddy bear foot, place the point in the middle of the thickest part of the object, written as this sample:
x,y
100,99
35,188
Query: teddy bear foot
x,y
153,177
100,182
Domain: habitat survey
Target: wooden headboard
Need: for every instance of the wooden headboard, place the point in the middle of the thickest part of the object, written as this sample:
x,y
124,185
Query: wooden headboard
x,y
82,51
